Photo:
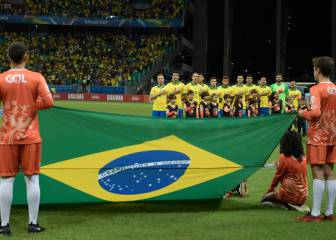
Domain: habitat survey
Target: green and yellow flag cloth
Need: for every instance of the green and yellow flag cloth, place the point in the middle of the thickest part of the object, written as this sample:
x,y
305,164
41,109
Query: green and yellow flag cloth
x,y
96,157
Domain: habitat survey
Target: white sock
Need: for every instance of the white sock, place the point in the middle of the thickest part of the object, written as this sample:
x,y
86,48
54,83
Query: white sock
x,y
6,197
33,197
331,186
318,190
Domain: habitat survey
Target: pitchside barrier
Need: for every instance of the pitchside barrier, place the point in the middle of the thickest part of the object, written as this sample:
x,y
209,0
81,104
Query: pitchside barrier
x,y
102,97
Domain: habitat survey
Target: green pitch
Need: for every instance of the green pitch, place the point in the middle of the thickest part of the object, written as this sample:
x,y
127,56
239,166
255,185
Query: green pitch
x,y
234,218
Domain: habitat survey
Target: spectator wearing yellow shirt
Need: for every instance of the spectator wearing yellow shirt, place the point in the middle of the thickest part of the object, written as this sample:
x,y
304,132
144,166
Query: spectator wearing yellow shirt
x,y
264,93
195,87
78,56
166,9
223,90
178,89
238,91
203,86
158,97
295,94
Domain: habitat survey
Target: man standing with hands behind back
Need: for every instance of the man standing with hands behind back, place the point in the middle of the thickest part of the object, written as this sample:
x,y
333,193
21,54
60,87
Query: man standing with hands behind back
x,y
321,142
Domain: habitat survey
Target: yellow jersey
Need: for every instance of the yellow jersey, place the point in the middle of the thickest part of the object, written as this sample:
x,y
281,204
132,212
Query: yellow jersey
x,y
239,90
196,89
264,100
159,103
222,92
213,90
248,90
171,87
203,88
295,95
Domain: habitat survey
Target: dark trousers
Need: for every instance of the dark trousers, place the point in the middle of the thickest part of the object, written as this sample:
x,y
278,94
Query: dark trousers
x,y
302,126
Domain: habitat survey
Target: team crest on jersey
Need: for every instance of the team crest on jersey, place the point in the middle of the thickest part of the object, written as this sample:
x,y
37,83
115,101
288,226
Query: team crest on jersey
x,y
332,90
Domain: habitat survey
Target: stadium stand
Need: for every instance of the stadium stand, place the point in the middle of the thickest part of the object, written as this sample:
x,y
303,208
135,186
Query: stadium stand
x,y
96,59
168,9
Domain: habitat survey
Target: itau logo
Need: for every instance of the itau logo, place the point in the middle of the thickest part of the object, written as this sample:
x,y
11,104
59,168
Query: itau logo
x,y
143,172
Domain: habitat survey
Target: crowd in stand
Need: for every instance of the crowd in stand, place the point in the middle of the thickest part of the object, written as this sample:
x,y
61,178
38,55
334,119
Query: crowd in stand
x,y
198,100
168,9
102,59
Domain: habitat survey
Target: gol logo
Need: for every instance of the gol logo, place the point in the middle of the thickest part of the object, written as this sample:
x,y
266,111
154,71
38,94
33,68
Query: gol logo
x,y
16,78
143,172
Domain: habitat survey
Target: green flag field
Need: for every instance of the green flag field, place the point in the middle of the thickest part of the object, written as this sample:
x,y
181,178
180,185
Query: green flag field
x,y
186,206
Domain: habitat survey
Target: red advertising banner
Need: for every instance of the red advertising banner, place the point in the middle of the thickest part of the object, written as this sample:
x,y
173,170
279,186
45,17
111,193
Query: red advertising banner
x,y
102,97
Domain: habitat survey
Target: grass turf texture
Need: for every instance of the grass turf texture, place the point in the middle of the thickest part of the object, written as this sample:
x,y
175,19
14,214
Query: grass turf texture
x,y
234,218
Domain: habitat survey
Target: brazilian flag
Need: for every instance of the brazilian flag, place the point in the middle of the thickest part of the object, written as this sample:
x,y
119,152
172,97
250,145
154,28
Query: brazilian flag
x,y
95,157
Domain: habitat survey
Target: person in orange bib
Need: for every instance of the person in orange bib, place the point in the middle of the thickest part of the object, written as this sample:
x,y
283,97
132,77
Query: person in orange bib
x,y
321,142
22,93
291,174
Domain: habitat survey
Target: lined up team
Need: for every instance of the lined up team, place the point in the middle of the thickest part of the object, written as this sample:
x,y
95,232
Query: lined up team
x,y
198,100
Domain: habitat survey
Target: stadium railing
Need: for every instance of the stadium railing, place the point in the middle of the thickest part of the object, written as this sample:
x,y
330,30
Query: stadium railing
x,y
92,89
302,86
63,88
107,89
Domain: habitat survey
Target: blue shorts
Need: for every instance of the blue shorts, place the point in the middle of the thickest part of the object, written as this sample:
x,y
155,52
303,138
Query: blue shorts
x,y
158,114
264,111
1,111
180,113
221,113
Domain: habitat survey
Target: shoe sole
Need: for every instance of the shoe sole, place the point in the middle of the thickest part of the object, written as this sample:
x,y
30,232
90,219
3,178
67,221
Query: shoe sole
x,y
299,208
5,235
274,205
35,232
